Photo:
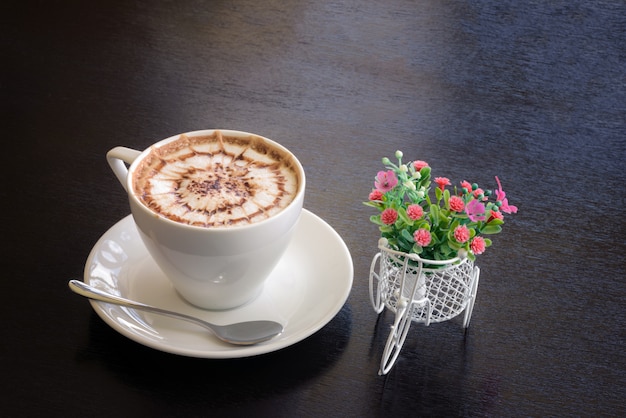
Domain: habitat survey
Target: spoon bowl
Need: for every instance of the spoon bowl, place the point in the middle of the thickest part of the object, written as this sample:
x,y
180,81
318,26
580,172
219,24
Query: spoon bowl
x,y
240,333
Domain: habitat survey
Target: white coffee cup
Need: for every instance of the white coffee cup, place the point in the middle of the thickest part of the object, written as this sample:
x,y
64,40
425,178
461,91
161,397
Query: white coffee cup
x,y
212,267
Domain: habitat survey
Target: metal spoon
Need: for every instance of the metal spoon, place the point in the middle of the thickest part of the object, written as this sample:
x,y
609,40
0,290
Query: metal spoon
x,y
241,333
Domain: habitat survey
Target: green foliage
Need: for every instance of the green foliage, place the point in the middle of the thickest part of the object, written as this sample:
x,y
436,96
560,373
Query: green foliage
x,y
407,185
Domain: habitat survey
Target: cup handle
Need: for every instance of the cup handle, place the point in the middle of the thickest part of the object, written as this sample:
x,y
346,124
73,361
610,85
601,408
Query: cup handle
x,y
118,157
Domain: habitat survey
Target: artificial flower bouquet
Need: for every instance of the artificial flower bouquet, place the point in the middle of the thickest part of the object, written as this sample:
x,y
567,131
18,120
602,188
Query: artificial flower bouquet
x,y
452,225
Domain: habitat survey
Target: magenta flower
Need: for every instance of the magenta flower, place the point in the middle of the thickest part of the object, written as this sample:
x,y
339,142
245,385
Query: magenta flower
x,y
442,182
385,181
422,237
461,234
376,195
456,204
419,164
478,245
475,211
501,197
389,216
414,212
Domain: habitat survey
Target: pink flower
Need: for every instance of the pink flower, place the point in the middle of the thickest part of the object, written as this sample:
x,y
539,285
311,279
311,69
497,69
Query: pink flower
x,y
475,211
478,192
478,245
419,164
461,234
466,185
422,237
376,195
415,212
501,197
456,204
389,216
496,214
442,182
385,181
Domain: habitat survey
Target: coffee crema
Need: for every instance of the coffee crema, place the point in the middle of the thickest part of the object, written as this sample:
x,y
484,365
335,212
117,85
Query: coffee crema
x,y
216,180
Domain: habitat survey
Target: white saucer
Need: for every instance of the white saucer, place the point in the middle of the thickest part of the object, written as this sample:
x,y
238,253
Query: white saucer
x,y
306,290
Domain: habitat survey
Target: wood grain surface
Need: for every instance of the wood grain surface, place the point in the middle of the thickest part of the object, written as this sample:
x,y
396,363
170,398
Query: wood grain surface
x,y
534,92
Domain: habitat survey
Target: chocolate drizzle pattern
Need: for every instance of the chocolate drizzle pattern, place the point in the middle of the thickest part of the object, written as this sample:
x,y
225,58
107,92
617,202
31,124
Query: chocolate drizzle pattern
x,y
216,180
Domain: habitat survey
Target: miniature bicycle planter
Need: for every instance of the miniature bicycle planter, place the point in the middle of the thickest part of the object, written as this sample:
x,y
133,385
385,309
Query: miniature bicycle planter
x,y
419,290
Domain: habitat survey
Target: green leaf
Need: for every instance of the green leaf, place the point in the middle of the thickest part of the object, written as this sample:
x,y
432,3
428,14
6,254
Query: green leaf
x,y
457,215
407,236
402,215
422,224
376,205
491,229
404,245
444,218
434,214
388,229
454,244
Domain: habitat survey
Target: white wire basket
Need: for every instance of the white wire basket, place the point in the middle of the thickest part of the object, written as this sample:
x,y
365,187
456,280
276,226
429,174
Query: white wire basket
x,y
419,290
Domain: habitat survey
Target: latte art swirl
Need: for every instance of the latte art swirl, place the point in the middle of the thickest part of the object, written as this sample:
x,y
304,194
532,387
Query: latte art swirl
x,y
215,181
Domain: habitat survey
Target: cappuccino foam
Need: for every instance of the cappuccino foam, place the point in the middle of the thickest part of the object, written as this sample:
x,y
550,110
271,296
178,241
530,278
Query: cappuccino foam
x,y
216,180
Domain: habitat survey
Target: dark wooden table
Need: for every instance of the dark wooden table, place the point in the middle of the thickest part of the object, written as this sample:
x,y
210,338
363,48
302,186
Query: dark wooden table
x,y
534,92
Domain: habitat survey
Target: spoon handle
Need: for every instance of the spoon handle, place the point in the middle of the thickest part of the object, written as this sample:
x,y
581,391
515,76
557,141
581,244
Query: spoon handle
x,y
91,292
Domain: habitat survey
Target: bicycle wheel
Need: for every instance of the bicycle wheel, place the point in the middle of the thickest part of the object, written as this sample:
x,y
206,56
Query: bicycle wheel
x,y
399,331
375,286
473,291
